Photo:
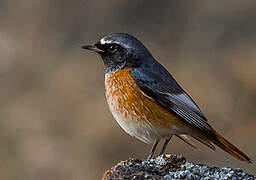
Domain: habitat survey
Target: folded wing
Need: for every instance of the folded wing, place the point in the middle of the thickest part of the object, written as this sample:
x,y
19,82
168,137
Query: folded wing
x,y
163,88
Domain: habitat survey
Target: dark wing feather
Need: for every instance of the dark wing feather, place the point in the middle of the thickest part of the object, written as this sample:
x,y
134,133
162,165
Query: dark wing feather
x,y
155,81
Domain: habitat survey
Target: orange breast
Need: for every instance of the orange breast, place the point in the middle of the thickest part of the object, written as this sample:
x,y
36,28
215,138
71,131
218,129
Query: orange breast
x,y
124,93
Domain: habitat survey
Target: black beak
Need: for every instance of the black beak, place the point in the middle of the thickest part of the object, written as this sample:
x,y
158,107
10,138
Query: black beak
x,y
92,48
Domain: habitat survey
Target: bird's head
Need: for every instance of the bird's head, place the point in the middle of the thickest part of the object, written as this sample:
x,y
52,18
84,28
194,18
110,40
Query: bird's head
x,y
120,51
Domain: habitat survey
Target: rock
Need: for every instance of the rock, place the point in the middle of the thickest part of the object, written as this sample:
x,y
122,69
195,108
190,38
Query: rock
x,y
169,167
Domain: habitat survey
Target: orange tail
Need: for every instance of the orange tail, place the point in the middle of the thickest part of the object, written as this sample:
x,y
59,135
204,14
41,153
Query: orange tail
x,y
230,148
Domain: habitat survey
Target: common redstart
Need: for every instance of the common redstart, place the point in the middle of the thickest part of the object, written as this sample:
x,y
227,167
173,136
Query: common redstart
x,y
147,102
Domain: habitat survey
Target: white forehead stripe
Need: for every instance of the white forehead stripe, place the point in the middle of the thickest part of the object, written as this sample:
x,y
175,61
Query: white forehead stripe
x,y
103,41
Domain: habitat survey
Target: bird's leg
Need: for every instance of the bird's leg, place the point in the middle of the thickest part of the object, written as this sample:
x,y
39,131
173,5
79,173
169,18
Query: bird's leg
x,y
165,145
153,150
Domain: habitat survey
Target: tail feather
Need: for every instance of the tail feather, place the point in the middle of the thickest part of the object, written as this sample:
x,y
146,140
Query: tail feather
x,y
205,142
230,148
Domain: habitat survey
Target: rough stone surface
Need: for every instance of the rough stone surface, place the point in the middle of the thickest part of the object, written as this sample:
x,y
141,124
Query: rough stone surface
x,y
167,167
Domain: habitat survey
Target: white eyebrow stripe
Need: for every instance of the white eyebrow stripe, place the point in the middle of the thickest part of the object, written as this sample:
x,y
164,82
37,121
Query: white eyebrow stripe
x,y
103,41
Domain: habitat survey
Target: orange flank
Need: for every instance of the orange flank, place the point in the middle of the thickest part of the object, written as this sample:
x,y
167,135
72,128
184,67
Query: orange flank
x,y
131,100
128,103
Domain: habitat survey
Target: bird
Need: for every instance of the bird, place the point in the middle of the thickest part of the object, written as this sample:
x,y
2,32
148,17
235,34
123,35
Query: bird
x,y
147,102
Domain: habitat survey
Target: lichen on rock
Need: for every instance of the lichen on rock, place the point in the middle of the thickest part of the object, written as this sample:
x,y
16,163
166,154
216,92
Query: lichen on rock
x,y
169,167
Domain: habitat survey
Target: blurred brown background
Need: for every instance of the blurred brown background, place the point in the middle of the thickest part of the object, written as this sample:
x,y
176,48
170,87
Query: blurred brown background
x,y
54,120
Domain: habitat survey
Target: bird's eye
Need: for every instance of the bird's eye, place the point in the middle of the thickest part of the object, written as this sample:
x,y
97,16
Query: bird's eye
x,y
112,48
